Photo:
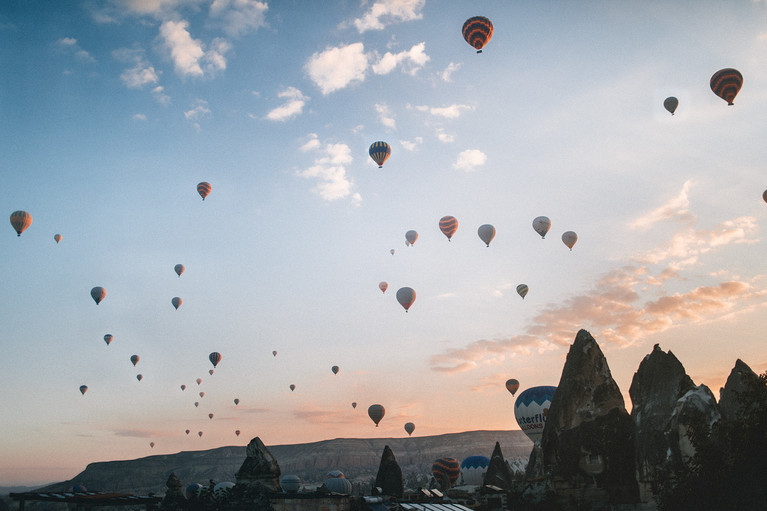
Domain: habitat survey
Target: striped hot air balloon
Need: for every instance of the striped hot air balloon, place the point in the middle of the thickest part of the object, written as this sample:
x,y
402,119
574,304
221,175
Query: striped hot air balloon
x,y
726,84
380,152
522,290
204,189
477,31
448,225
446,468
20,220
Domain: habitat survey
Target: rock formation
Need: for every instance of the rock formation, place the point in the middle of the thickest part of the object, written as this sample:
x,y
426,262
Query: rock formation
x,y
174,499
498,471
259,468
389,477
731,400
588,440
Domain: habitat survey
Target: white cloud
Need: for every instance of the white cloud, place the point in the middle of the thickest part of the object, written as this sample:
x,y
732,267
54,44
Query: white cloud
x,y
160,96
139,117
385,116
447,73
330,173
384,12
139,75
293,106
444,137
188,54
200,111
411,145
336,68
470,159
410,60
311,144
676,207
214,58
239,16
451,111
69,45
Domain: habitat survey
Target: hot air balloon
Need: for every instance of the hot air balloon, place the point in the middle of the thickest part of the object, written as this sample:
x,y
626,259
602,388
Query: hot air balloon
x,y
210,416
334,369
139,377
354,404
179,269
151,444
83,389
20,220
236,401
764,196
376,413
392,251
477,31
448,225
204,189
108,339
522,290
670,104
569,238
410,237
486,233
726,84
57,237
531,408
183,387
134,359
406,297
202,394
187,431
542,224
196,404
198,380
383,286
274,353
512,385
214,358
292,387
446,470
199,433
237,432
380,152
409,427
473,470
98,294
210,372
176,301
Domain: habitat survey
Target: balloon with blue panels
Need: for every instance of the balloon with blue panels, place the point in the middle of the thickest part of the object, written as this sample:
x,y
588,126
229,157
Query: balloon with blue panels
x,y
531,409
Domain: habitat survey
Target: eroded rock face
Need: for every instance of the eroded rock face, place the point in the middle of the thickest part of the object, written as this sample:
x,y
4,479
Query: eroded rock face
x,y
389,477
588,440
698,405
260,468
174,498
731,400
498,471
658,384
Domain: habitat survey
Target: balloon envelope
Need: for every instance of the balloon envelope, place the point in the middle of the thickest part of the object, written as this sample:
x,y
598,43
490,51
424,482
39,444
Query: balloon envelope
x,y
204,189
57,237
334,369
210,415
151,444
477,31
409,427
108,338
448,225
446,468
139,377
473,470
383,286
531,409
542,224
486,233
179,269
274,353
83,389
411,236
237,432
376,413
236,401
183,387
512,385
406,297
569,238
670,104
522,290
198,380
134,359
379,152
98,294
176,301
214,358
20,220
726,84
354,404
292,387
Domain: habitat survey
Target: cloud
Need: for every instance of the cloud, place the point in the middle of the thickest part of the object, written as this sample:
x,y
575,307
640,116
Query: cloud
x,y
385,116
447,73
410,60
190,58
337,68
330,173
239,16
311,144
139,117
444,137
69,45
142,73
293,106
385,12
469,160
159,95
323,416
200,111
448,112
411,145
676,207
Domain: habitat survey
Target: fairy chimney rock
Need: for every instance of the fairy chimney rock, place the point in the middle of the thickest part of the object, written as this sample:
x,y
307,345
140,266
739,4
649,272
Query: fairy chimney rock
x,y
260,468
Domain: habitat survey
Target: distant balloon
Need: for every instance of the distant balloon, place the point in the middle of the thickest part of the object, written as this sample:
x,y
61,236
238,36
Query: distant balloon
x,y
670,104
210,372
57,237
531,409
522,290
198,380
236,401
383,286
176,301
409,427
204,189
486,233
134,359
202,394
477,31
151,444
446,468
764,196
292,387
237,432
334,369
542,224
448,225
512,385
108,339
274,353
83,389
20,220
183,387
406,297
354,404
380,152
210,416
199,433
179,269
392,251
98,294
139,377
187,431
196,404
569,238
376,413
214,358
410,237
726,84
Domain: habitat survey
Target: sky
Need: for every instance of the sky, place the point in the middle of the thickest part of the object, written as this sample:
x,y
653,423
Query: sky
x,y
112,112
